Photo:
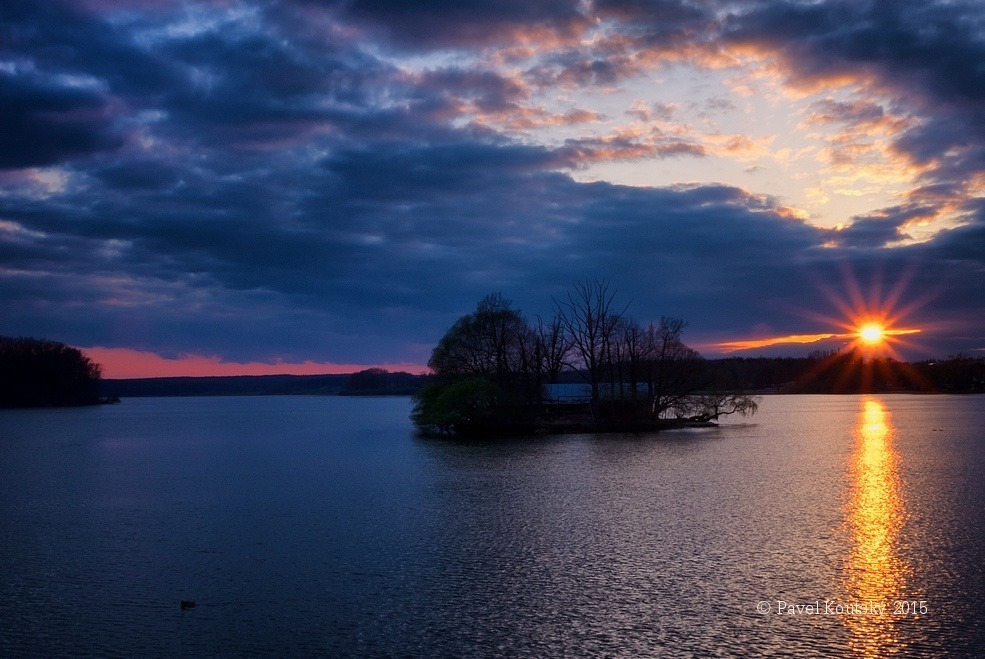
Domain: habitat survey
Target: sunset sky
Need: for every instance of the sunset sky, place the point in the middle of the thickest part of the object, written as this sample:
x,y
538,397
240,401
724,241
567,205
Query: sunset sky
x,y
316,186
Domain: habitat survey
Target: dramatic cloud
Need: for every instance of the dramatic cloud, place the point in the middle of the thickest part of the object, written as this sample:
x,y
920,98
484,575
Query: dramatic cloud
x,y
46,121
925,53
449,23
333,183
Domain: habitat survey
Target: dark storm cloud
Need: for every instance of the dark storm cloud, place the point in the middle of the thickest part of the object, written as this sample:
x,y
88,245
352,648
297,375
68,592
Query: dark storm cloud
x,y
547,230
45,121
451,23
231,86
138,175
880,229
60,37
659,23
949,144
261,90
937,45
967,243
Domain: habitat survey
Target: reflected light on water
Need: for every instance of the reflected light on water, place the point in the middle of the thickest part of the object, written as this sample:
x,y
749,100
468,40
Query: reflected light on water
x,y
876,575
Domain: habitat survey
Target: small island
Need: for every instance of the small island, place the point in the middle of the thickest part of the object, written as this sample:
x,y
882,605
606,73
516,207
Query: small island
x,y
42,373
496,373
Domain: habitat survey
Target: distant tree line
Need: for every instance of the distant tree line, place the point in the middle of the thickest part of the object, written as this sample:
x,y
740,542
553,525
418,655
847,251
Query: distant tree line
x,y
41,373
381,382
847,371
491,367
821,372
229,385
368,382
960,373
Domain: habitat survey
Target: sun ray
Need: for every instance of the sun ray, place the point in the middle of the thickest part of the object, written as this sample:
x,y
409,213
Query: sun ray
x,y
869,321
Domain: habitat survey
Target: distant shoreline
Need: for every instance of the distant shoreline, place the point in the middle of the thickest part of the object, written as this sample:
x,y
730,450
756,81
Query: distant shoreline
x,y
252,385
754,376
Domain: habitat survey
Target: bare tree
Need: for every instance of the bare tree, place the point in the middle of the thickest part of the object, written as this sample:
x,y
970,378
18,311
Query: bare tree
x,y
670,366
636,349
589,319
553,345
544,349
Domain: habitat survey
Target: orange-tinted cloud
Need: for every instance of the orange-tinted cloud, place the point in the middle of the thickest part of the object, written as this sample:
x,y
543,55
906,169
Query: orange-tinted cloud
x,y
125,363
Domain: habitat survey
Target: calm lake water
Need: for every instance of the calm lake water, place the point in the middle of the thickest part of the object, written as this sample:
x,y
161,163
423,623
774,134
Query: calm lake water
x,y
306,525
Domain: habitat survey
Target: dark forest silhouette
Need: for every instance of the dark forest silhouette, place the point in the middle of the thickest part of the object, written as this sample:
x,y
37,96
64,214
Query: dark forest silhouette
x,y
381,382
847,372
41,373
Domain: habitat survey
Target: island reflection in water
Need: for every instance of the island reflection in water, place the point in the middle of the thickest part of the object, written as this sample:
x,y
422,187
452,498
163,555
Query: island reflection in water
x,y
876,575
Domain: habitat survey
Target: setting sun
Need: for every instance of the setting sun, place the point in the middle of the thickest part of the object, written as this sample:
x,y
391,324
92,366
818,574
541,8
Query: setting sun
x,y
871,333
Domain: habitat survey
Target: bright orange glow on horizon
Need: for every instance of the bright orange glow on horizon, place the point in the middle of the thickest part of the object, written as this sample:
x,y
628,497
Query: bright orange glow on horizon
x,y
749,344
124,363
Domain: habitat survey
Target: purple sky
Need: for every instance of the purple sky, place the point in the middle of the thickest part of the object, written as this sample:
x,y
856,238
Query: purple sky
x,y
321,183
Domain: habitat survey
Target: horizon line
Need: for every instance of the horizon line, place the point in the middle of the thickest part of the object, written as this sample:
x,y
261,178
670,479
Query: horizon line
x,y
131,364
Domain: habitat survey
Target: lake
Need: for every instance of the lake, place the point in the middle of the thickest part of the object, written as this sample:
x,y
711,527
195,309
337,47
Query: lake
x,y
846,525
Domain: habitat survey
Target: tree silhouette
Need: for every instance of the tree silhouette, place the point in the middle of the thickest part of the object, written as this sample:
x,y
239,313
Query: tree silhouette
x,y
590,319
491,367
41,373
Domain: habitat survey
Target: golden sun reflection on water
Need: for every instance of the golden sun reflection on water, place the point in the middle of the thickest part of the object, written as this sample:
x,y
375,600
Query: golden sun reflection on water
x,y
876,574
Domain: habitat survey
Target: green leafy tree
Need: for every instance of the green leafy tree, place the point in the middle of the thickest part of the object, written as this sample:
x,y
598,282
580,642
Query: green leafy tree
x,y
463,407
482,371
487,343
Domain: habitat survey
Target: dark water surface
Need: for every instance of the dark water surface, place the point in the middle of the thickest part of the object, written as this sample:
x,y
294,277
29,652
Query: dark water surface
x,y
306,525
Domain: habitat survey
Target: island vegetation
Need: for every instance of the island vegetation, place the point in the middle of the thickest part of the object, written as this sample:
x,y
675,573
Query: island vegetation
x,y
41,373
496,372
